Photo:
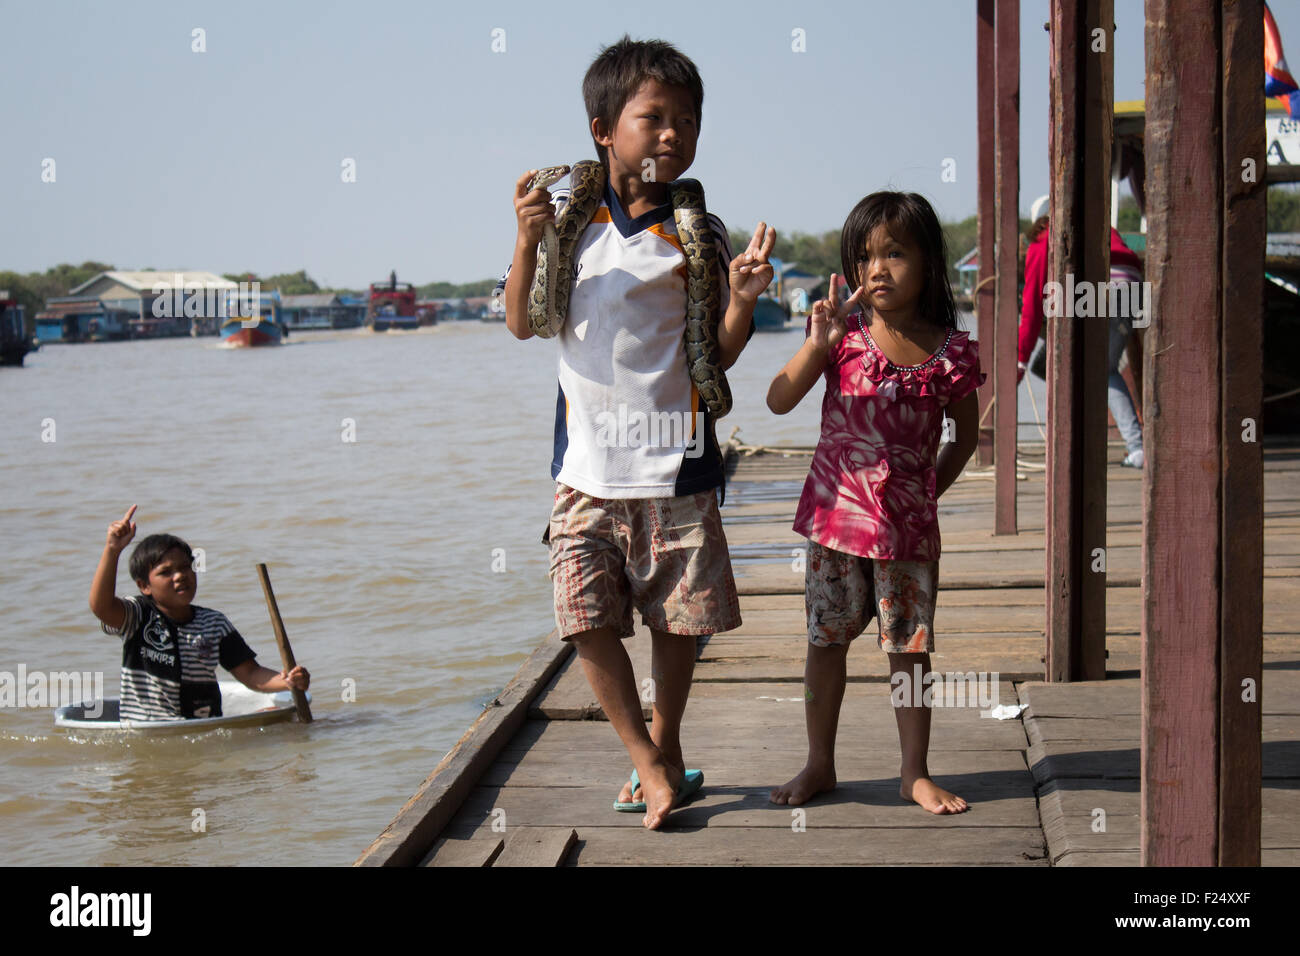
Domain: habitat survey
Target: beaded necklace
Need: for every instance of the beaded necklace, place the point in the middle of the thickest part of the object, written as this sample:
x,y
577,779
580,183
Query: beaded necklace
x,y
902,368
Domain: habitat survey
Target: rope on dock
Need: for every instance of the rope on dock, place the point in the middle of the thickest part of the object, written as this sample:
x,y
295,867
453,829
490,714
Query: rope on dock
x,y
749,451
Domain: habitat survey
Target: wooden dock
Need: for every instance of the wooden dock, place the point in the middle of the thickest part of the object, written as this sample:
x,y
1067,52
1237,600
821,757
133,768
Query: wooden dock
x,y
532,781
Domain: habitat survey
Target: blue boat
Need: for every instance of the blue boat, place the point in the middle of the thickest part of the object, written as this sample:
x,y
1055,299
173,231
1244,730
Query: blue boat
x,y
264,328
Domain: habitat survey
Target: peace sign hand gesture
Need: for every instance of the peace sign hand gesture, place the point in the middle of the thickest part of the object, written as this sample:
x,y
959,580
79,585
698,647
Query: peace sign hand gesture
x,y
750,272
828,315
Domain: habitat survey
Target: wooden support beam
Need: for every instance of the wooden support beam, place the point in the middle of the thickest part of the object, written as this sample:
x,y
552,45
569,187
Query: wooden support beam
x,y
1183,437
1006,114
1079,137
1282,173
1242,618
984,302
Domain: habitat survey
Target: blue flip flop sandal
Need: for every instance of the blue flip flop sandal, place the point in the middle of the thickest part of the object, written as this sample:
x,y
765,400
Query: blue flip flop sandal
x,y
690,786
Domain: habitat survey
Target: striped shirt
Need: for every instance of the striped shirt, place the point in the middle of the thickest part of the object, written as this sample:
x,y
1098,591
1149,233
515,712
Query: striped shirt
x,y
205,640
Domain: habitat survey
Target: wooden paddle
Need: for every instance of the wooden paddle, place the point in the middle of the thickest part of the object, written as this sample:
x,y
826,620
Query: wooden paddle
x,y
282,639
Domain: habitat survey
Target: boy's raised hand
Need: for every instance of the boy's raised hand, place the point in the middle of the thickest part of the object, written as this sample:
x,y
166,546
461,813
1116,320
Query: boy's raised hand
x,y
828,315
750,272
121,532
533,209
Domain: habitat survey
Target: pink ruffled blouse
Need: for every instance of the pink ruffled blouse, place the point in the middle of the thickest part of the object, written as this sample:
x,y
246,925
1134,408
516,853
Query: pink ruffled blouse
x,y
871,488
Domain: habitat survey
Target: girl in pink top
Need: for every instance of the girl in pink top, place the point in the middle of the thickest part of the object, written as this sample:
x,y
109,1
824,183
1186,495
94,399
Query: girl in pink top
x,y
895,368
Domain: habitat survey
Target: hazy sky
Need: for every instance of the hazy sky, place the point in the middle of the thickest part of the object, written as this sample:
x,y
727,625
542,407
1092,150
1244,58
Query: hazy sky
x,y
231,159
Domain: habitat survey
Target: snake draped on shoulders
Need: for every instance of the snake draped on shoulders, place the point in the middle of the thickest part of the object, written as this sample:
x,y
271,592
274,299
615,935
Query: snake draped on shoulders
x,y
548,299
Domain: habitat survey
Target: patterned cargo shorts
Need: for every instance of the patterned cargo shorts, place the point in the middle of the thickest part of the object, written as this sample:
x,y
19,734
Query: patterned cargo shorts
x,y
667,557
842,592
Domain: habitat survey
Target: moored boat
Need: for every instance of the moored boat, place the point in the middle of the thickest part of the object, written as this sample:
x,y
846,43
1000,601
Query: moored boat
x,y
769,315
14,340
240,706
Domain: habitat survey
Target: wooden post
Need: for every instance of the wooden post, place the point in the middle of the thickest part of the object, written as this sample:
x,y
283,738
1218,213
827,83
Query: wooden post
x,y
1006,111
1183,437
1242,618
984,303
282,639
1079,252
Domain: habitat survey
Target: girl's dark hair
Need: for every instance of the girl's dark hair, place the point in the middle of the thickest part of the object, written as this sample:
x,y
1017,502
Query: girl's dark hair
x,y
148,554
906,216
618,72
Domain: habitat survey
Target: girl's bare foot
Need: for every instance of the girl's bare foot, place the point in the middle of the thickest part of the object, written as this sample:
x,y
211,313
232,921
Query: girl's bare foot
x,y
812,780
659,787
629,795
928,794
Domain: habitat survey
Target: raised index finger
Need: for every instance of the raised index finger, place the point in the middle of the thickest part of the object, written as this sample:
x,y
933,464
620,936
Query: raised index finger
x,y
129,512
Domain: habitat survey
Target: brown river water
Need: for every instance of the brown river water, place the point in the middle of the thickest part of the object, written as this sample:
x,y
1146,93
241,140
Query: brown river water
x,y
381,552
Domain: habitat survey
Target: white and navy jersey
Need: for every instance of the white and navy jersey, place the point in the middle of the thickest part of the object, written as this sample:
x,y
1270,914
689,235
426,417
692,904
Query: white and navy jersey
x,y
156,685
629,422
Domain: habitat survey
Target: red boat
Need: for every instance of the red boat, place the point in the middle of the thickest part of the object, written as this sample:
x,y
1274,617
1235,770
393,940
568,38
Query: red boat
x,y
392,305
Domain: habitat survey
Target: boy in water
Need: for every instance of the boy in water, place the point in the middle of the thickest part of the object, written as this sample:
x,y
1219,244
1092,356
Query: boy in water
x,y
171,647
636,523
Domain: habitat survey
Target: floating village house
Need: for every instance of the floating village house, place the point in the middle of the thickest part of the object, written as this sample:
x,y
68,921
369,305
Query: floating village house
x,y
322,310
118,305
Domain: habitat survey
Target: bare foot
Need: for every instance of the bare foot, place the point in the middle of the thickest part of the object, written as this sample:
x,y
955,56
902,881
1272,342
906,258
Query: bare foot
x,y
659,786
928,794
812,780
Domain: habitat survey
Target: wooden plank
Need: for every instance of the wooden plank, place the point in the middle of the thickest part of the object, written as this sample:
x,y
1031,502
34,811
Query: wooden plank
x,y
1182,436
812,847
852,805
985,87
780,579
537,846
1002,358
475,852
1091,820
1241,618
407,839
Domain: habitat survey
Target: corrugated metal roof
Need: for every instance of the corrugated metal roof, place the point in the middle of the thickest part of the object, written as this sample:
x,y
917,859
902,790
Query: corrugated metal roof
x,y
146,281
320,300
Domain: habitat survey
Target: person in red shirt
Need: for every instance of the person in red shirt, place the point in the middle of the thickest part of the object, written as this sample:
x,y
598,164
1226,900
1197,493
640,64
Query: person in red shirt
x,y
1125,266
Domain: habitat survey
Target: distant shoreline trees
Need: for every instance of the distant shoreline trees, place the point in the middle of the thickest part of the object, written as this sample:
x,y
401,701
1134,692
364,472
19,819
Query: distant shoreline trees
x,y
815,253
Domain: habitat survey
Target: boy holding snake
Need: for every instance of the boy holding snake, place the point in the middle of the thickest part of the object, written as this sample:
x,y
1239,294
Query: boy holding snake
x,y
635,521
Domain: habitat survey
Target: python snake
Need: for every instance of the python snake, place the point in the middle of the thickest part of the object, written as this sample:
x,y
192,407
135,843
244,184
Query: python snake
x,y
548,298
